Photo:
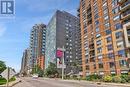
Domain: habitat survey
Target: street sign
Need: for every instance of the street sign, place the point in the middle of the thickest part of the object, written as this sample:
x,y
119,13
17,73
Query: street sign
x,y
4,74
8,73
11,73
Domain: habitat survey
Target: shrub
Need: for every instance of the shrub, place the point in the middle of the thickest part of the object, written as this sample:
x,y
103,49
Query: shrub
x,y
12,79
107,78
116,79
2,81
93,77
123,81
124,78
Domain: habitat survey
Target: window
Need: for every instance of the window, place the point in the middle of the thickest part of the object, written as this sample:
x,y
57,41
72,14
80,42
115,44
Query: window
x,y
97,29
100,65
106,17
105,11
119,44
110,55
92,59
118,35
99,50
117,17
99,42
70,56
118,26
109,39
94,65
115,10
98,35
121,53
108,32
100,56
109,47
112,64
105,6
87,67
96,16
114,3
123,63
107,24
96,22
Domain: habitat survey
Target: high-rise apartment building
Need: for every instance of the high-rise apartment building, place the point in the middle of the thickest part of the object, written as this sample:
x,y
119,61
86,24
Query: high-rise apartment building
x,y
105,36
63,31
25,64
37,45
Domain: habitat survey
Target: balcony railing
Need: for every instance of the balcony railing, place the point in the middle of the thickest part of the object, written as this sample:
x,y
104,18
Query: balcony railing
x,y
125,15
122,1
125,6
128,32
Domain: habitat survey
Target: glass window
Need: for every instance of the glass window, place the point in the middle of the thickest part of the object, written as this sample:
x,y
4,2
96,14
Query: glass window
x,y
109,39
112,64
99,50
115,10
99,42
118,35
114,3
100,65
97,22
108,32
107,24
118,26
106,17
109,47
119,44
96,16
123,63
117,17
100,56
105,11
87,67
110,55
97,29
94,65
121,53
105,5
98,35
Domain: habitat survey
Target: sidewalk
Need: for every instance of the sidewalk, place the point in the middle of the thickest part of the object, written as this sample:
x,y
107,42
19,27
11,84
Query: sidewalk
x,y
91,82
12,83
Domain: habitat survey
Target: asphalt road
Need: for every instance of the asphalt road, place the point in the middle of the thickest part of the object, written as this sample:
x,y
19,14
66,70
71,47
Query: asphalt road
x,y
29,82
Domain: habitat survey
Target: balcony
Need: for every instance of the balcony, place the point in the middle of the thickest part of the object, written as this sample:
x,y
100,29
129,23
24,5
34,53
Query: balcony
x,y
125,6
121,1
125,15
126,28
128,32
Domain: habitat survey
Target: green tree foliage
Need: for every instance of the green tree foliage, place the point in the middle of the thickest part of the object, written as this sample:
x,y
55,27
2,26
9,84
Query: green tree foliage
x,y
51,70
2,66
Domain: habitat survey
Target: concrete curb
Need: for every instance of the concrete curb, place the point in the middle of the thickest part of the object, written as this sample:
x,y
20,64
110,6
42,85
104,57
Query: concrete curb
x,y
91,82
12,83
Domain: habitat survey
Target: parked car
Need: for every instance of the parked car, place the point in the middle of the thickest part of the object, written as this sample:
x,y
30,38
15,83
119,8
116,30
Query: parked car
x,y
35,76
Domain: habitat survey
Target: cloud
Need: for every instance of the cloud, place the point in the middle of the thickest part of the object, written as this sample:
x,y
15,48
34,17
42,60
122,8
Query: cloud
x,y
2,30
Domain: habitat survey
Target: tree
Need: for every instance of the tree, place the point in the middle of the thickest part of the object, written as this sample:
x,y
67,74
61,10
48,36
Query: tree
x,y
2,66
51,70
